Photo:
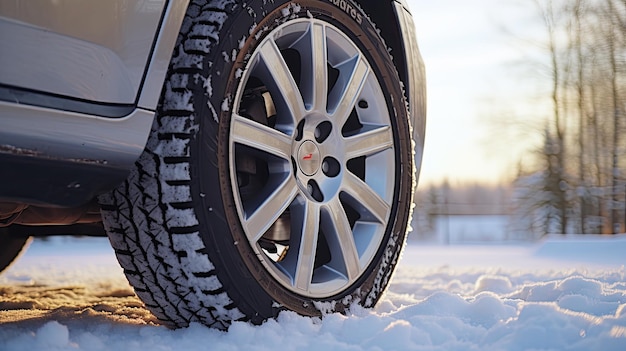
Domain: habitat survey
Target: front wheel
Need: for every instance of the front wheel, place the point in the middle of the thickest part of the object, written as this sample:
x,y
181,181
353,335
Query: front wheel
x,y
278,174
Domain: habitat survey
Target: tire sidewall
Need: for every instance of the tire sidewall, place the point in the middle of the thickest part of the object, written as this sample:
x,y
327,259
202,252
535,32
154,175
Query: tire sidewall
x,y
243,277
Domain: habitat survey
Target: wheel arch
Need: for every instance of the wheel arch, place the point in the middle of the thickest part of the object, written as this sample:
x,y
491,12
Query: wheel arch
x,y
380,12
401,38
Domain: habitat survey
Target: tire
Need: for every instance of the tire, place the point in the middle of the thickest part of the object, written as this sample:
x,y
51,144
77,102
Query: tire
x,y
11,247
251,198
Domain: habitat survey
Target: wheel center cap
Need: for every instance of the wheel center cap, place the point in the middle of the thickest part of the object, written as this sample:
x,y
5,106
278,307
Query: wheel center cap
x,y
309,158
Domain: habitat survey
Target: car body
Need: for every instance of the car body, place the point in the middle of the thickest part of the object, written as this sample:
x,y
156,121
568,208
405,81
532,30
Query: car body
x,y
80,83
81,116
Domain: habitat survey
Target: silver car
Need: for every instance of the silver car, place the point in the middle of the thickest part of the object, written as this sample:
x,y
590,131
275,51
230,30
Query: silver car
x,y
243,157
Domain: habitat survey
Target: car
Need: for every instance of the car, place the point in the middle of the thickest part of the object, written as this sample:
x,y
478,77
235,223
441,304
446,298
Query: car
x,y
243,157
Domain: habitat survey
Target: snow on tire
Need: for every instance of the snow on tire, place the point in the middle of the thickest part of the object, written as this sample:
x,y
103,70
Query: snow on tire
x,y
278,174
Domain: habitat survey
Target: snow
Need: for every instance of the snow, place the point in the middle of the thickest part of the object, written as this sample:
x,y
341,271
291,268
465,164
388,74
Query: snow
x,y
563,293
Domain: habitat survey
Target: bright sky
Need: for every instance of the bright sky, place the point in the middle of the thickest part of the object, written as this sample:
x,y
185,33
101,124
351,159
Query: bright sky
x,y
473,77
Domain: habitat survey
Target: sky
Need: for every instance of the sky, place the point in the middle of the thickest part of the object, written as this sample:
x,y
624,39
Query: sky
x,y
474,53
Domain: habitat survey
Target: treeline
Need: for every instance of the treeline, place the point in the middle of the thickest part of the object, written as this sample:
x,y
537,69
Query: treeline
x,y
579,185
463,199
435,202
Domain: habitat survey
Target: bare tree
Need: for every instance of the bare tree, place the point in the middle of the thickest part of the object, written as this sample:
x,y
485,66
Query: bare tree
x,y
577,10
582,161
613,40
557,138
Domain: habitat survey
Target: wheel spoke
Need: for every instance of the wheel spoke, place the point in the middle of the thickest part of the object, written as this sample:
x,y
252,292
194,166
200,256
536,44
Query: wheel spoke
x,y
320,68
285,86
248,132
369,143
358,71
308,246
366,198
268,212
345,246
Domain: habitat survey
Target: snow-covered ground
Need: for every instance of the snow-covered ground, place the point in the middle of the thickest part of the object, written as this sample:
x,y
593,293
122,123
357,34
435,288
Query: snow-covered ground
x,y
560,294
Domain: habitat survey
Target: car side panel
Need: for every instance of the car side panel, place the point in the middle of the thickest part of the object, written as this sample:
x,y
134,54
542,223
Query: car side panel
x,y
162,54
90,50
61,151
415,80
63,158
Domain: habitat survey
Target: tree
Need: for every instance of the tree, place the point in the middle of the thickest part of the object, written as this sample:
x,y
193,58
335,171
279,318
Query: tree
x,y
582,163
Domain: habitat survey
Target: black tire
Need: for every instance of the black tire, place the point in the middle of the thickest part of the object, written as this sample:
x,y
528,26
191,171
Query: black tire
x,y
10,248
182,225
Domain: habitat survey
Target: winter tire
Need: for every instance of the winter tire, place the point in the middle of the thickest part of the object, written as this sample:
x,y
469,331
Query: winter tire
x,y
278,174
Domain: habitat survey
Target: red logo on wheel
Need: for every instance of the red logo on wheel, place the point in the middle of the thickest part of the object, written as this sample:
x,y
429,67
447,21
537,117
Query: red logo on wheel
x,y
307,157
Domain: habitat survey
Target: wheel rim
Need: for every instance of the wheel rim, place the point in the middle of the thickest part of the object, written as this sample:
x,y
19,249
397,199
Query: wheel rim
x,y
312,158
